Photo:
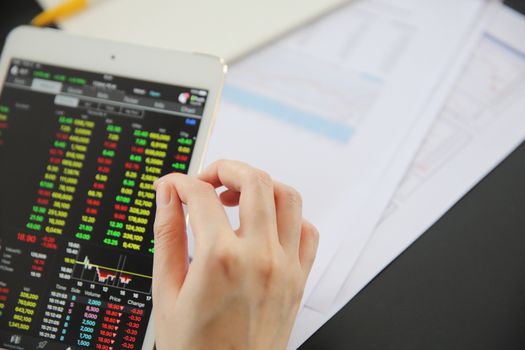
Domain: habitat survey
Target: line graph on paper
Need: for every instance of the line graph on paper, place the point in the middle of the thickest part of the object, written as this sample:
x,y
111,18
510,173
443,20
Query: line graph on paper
x,y
115,270
494,75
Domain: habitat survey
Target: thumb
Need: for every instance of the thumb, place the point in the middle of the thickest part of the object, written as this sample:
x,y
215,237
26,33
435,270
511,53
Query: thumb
x,y
170,260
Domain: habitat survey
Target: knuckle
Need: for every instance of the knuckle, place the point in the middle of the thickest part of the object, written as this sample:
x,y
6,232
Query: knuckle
x,y
222,162
267,267
264,178
167,236
292,196
174,176
166,178
161,229
312,231
201,187
258,177
217,165
225,164
206,187
226,259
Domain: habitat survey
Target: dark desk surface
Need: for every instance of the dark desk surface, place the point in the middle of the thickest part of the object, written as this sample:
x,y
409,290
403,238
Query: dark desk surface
x,y
460,286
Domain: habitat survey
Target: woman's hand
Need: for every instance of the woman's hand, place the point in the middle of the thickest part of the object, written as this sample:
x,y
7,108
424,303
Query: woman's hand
x,y
243,287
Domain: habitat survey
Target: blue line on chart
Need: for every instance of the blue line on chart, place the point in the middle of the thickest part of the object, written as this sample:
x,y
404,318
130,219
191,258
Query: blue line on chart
x,y
292,115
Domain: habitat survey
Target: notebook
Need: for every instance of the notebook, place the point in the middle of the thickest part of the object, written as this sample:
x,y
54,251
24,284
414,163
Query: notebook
x,y
226,28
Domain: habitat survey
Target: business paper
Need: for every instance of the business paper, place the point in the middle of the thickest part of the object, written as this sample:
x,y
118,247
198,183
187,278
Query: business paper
x,y
481,123
329,112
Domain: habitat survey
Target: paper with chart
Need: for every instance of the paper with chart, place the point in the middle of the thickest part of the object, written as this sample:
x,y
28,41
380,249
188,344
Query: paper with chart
x,y
481,123
327,108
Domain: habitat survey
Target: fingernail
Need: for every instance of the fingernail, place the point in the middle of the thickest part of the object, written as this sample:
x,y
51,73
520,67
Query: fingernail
x,y
163,194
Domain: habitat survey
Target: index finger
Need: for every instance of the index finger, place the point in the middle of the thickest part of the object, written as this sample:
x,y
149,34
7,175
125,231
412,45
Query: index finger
x,y
256,202
206,213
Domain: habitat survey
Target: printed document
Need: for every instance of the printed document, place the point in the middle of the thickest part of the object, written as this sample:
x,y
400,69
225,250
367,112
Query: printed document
x,y
481,123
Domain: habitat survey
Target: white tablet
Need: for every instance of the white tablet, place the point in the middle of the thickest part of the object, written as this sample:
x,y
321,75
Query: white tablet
x,y
86,126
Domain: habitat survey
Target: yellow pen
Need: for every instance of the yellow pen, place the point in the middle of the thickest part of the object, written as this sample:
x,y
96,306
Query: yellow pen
x,y
65,9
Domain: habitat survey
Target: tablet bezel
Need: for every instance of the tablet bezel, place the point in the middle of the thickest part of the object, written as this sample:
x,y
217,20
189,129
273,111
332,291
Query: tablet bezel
x,y
58,48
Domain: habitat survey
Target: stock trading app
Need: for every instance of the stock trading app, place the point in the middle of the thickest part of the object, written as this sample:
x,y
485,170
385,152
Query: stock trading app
x,y
79,153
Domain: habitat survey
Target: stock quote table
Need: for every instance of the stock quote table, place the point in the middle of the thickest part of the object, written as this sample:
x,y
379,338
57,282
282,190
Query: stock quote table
x,y
460,286
80,152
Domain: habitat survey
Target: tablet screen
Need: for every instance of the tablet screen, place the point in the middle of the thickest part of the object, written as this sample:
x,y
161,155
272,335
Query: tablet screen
x,y
79,152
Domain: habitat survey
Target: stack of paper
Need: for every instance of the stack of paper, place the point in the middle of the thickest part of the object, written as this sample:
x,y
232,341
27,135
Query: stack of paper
x,y
340,108
492,81
479,125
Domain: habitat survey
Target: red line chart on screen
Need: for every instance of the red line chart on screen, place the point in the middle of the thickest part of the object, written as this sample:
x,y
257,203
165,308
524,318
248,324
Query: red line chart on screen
x,y
114,270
